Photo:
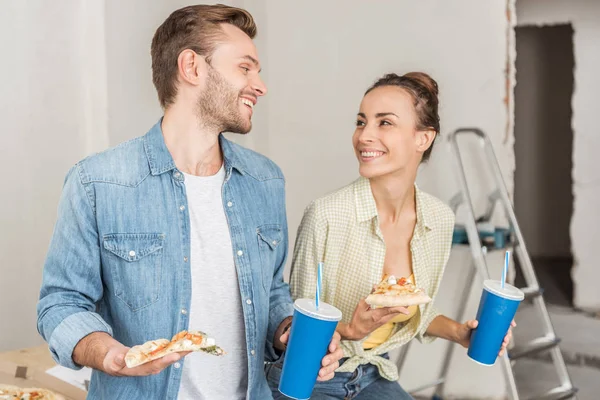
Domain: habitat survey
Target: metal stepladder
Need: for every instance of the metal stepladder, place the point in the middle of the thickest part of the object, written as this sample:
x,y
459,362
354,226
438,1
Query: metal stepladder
x,y
533,292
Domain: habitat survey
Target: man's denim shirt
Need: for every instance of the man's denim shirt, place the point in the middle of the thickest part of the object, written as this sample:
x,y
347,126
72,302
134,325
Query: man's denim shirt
x,y
119,259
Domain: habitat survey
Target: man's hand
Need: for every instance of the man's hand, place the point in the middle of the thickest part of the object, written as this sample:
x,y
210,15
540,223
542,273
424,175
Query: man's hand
x,y
114,363
330,362
283,327
464,331
100,351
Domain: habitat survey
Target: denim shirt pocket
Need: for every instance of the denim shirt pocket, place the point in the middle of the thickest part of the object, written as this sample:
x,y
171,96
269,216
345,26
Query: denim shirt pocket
x,y
269,238
135,264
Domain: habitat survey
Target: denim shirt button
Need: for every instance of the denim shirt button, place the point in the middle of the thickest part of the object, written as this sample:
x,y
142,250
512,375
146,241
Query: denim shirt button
x,y
240,253
253,352
248,301
229,204
177,365
132,253
183,311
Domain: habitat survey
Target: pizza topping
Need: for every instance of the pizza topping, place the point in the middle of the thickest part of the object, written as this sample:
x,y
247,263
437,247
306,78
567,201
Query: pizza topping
x,y
195,339
214,350
179,336
157,350
21,394
391,292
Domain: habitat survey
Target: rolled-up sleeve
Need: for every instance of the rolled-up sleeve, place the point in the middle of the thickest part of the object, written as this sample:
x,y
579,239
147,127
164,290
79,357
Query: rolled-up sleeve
x,y
428,317
72,280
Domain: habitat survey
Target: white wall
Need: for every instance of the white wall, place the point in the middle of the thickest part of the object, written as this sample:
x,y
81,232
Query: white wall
x,y
584,15
53,112
133,105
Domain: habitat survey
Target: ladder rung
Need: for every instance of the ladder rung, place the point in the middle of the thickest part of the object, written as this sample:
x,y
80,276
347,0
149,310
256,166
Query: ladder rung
x,y
535,346
559,393
530,292
428,385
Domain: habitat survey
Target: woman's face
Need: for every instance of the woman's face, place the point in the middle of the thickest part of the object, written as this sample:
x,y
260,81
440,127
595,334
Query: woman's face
x,y
386,140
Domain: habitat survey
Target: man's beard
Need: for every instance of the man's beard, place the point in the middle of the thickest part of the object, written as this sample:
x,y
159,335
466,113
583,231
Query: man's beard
x,y
219,105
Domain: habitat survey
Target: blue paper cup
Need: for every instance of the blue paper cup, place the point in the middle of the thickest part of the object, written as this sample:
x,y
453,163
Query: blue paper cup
x,y
310,335
497,309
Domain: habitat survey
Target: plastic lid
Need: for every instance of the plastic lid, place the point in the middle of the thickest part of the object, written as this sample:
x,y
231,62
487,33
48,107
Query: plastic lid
x,y
325,312
509,292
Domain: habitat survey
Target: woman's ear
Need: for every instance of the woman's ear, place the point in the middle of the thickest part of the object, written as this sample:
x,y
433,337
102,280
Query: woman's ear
x,y
424,139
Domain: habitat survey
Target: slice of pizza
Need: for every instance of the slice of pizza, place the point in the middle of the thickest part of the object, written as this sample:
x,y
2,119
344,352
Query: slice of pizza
x,y
9,392
392,292
183,341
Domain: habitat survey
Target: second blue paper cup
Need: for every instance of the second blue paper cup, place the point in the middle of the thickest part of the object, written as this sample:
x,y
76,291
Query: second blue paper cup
x,y
497,308
310,335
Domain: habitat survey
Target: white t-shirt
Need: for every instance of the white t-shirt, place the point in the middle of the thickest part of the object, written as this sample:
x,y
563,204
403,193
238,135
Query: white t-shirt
x,y
216,306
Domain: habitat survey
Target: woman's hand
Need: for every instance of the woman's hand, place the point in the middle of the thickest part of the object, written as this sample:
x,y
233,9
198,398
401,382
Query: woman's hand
x,y
463,335
365,320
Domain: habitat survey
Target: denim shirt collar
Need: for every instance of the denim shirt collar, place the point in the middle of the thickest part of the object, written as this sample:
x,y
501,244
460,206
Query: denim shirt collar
x,y
161,161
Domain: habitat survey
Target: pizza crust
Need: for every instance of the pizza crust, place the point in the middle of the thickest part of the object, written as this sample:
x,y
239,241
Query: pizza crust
x,y
183,341
400,300
146,352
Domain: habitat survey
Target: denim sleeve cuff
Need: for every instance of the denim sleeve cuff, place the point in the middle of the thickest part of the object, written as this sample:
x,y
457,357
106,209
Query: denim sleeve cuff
x,y
276,317
70,331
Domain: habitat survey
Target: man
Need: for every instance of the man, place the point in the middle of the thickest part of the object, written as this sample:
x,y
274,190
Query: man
x,y
177,229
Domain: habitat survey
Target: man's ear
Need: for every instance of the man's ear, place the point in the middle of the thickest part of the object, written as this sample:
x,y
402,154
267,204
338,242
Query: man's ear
x,y
192,67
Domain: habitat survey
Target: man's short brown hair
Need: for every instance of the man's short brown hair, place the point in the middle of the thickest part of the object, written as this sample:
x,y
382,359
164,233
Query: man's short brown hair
x,y
197,28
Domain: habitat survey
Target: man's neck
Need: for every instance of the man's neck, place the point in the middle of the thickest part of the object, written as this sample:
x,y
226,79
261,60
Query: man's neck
x,y
194,147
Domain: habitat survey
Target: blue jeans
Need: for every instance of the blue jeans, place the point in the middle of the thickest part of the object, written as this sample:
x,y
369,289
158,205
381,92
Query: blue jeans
x,y
364,383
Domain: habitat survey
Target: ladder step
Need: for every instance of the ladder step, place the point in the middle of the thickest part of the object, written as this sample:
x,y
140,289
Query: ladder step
x,y
559,393
429,385
535,346
531,293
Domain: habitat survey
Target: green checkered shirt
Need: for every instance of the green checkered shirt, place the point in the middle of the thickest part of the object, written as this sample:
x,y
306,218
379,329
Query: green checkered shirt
x,y
342,230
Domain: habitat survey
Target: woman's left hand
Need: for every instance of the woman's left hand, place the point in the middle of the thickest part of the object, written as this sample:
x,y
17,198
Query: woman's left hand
x,y
463,335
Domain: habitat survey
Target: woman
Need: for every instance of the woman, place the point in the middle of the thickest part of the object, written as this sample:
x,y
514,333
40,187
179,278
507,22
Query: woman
x,y
380,224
